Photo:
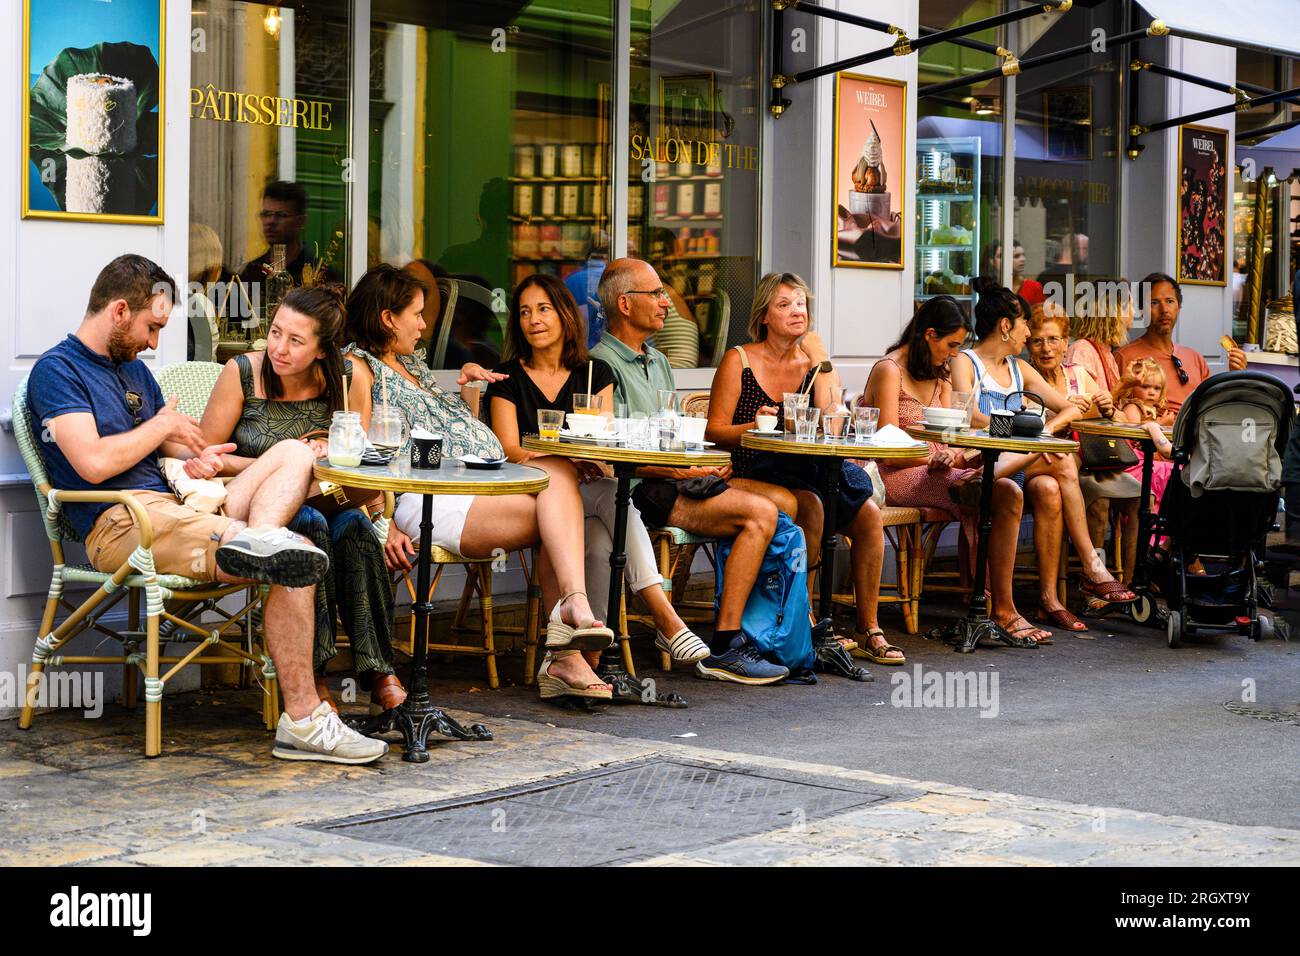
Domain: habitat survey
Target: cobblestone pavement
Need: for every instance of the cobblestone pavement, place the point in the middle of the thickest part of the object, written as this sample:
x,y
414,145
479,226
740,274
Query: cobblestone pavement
x,y
80,792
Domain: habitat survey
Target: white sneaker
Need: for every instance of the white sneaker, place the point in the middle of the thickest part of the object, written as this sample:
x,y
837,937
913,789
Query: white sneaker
x,y
273,555
324,737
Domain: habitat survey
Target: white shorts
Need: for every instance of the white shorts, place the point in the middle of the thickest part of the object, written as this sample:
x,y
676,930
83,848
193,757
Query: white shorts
x,y
449,514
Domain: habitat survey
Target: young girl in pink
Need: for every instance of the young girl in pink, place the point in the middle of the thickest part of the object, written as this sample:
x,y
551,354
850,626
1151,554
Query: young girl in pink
x,y
1140,396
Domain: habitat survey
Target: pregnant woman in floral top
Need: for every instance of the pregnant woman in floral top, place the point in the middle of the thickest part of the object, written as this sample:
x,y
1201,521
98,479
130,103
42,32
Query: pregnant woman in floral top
x,y
384,323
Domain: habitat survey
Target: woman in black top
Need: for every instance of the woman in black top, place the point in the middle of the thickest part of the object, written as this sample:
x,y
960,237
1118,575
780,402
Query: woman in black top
x,y
549,364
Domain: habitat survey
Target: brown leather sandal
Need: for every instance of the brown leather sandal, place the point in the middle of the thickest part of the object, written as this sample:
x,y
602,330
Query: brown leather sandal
x,y
386,692
1107,591
1061,618
323,692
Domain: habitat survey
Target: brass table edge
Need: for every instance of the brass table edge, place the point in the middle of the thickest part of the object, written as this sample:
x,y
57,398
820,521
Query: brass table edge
x,y
636,456
1008,444
845,450
430,486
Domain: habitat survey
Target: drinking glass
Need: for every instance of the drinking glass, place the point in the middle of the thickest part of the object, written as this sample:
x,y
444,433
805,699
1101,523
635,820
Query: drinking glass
x,y
667,400
805,424
836,425
586,404
966,402
792,402
665,430
549,421
388,429
865,419
638,430
347,440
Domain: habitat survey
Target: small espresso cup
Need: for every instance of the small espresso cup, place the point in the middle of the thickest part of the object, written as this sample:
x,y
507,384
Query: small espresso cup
x,y
765,423
426,452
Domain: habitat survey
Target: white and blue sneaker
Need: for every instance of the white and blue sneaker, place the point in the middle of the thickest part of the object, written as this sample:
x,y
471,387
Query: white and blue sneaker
x,y
741,664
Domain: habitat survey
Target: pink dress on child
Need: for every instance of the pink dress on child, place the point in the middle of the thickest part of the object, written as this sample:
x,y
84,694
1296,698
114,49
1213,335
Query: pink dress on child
x,y
1160,471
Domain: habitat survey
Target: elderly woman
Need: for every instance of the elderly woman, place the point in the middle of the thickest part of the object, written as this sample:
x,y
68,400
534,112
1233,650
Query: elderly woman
x,y
991,371
749,382
384,322
1049,329
289,391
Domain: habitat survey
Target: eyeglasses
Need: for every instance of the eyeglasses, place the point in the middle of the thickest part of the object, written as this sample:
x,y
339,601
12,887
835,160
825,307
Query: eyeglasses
x,y
659,293
267,215
1052,340
1178,367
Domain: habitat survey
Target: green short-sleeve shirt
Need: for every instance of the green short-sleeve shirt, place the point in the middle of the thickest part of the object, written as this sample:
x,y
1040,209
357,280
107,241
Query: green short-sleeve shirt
x,y
638,376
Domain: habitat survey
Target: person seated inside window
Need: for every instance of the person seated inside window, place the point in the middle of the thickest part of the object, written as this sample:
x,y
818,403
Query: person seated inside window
x,y
109,423
384,322
290,391
550,365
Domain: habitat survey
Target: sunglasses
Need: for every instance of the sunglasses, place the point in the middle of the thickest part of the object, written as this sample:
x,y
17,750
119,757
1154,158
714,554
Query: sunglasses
x,y
1178,367
133,401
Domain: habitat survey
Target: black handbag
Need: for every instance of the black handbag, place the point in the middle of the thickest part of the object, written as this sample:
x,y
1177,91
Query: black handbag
x,y
1104,453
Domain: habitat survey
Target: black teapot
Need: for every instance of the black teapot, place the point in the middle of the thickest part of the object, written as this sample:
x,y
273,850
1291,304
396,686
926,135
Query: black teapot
x,y
1027,424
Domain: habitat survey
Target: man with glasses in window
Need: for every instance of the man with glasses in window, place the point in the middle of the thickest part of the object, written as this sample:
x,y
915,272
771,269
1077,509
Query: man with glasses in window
x,y
695,499
104,424
283,218
1184,367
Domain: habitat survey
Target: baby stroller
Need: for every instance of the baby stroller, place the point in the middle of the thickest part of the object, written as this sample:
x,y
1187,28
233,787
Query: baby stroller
x,y
1220,504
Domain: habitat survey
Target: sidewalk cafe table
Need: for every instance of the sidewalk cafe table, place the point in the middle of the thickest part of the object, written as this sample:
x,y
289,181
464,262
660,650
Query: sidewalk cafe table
x,y
417,717
831,655
977,624
1143,610
625,461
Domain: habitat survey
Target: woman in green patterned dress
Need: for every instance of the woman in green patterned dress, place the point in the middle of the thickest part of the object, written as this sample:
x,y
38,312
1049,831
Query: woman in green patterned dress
x,y
289,391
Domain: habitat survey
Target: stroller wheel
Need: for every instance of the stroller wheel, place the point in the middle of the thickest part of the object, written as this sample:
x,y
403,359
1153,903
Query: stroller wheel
x,y
1141,609
1174,629
1262,629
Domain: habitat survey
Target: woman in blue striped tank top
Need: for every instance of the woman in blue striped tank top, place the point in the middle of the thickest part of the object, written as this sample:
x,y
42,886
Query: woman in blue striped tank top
x,y
1051,482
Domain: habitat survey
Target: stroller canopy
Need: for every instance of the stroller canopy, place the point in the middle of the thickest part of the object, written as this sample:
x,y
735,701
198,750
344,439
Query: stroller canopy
x,y
1232,432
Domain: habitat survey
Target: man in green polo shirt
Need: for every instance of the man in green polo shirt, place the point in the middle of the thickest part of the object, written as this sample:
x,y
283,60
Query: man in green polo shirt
x,y
636,305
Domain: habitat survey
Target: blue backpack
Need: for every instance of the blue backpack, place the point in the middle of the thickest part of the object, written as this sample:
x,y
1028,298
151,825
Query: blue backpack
x,y
776,614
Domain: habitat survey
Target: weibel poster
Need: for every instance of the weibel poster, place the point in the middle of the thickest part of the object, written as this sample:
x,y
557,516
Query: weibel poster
x,y
1202,205
870,171
93,82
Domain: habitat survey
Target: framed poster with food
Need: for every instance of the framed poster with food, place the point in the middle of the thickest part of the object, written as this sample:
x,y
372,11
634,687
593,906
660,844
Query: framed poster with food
x,y
1202,205
92,97
870,173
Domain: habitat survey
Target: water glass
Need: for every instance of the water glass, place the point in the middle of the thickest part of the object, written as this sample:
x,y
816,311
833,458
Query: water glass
x,y
549,421
666,432
805,424
638,430
865,419
792,403
966,402
587,404
836,425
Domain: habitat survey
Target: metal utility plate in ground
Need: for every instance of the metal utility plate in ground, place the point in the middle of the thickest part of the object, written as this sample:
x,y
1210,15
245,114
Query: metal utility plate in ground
x,y
618,814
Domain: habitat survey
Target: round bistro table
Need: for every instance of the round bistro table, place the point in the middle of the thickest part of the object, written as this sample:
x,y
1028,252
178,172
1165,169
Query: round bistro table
x,y
1143,610
625,461
417,716
966,634
831,655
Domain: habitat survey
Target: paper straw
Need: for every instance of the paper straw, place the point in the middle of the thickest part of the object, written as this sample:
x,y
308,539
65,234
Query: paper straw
x,y
590,363
813,381
384,376
345,391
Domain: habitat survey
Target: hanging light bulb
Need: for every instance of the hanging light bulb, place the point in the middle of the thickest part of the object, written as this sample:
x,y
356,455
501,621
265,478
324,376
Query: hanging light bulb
x,y
271,22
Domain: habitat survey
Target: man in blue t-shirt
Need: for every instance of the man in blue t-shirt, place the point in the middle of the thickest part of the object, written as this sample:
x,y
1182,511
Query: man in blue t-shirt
x,y
103,422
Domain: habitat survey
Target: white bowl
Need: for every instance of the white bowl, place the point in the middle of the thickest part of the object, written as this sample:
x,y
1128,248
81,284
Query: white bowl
x,y
938,415
581,423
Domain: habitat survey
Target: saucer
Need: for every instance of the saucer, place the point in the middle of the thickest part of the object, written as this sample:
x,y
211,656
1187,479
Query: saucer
x,y
758,431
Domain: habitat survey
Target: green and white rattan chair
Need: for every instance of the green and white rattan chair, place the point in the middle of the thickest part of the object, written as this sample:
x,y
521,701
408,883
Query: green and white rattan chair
x,y
136,577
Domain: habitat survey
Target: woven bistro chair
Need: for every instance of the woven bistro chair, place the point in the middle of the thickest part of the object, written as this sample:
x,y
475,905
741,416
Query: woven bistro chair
x,y
135,577
903,529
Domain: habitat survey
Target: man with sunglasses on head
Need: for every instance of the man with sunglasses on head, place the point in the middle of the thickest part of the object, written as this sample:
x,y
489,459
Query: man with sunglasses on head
x,y
104,424
1184,367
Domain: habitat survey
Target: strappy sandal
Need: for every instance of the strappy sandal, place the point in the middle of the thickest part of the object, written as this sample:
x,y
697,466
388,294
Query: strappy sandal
x,y
561,636
1107,591
1061,618
877,655
551,687
1020,632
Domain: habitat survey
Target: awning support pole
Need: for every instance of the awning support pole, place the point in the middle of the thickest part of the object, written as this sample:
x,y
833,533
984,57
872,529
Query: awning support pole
x,y
1213,111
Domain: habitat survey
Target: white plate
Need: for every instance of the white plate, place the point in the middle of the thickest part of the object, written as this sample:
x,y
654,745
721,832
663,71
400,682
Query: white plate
x,y
757,431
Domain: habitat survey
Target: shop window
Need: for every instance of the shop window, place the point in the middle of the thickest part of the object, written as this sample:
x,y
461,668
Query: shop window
x,y
490,151
693,168
958,154
1068,138
269,170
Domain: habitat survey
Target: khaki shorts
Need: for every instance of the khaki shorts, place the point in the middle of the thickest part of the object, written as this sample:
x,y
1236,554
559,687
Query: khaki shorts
x,y
185,541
